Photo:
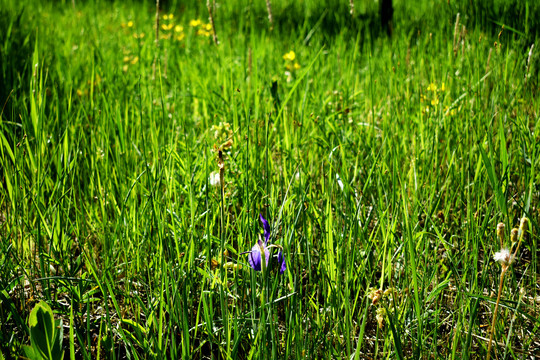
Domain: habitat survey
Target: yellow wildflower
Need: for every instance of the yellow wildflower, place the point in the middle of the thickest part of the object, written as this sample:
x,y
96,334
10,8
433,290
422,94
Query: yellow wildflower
x,y
138,36
208,27
127,58
202,32
449,111
135,60
435,101
167,26
130,24
432,87
180,37
296,66
178,28
290,56
443,87
195,23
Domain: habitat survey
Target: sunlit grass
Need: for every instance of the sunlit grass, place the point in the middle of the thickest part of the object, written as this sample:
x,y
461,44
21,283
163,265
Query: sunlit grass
x,y
383,166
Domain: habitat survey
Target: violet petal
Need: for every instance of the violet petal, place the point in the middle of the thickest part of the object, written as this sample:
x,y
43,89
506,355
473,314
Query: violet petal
x,y
281,262
254,257
266,229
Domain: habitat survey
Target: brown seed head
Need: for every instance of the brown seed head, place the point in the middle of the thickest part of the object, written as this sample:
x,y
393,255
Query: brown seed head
x,y
514,235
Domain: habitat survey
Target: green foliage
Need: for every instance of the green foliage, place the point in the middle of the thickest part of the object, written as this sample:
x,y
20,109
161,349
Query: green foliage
x,y
382,164
46,334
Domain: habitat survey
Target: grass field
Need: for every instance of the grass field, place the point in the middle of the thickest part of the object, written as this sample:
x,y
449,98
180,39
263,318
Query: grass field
x,y
134,173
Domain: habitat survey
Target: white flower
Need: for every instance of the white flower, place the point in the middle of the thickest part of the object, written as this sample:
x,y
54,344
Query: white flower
x,y
340,183
504,257
213,179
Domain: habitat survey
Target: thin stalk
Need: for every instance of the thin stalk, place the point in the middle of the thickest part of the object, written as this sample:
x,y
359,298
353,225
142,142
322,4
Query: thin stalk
x,y
503,272
211,8
156,41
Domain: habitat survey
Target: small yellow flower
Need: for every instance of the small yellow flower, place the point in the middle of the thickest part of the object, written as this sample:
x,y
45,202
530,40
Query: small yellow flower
x,y
165,17
452,112
180,37
435,101
432,87
138,36
290,56
443,87
125,68
171,16
127,58
178,28
296,66
165,36
167,27
202,32
195,23
130,24
135,60
208,27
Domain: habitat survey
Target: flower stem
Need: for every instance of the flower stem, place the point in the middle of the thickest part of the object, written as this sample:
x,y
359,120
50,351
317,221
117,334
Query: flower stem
x,y
503,272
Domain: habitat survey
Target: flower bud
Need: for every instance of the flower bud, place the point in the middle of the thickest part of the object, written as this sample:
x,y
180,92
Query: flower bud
x,y
514,235
500,233
500,229
522,227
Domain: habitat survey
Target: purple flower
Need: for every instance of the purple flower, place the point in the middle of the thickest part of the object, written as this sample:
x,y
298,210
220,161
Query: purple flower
x,y
255,254
255,258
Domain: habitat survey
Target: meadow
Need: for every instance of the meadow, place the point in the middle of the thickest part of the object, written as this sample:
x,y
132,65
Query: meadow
x,y
140,151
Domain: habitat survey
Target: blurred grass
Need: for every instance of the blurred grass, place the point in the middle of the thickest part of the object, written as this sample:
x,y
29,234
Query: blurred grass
x,y
380,164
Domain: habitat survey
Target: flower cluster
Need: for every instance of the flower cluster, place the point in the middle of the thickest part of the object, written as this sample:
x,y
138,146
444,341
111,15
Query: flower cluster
x,y
382,300
506,255
290,64
432,97
202,28
256,259
168,25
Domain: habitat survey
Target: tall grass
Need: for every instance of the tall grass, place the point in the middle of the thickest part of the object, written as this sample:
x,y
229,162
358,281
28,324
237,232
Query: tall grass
x,y
382,164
